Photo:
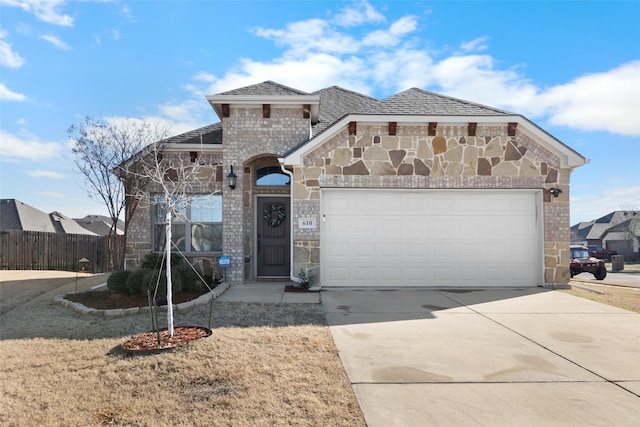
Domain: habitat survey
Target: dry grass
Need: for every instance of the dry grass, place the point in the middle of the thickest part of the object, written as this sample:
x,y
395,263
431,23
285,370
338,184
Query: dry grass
x,y
264,365
626,298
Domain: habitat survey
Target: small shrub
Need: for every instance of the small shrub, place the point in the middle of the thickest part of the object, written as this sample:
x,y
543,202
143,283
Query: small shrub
x,y
117,282
154,261
190,279
176,282
139,281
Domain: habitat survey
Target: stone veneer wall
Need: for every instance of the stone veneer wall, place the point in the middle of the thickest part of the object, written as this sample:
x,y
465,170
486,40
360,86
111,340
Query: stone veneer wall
x,y
248,137
140,233
451,159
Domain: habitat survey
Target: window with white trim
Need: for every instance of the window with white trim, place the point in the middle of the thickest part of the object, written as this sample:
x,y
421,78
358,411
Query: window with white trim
x,y
196,223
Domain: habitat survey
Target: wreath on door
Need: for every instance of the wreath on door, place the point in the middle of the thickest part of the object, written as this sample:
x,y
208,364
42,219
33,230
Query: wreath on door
x,y
274,214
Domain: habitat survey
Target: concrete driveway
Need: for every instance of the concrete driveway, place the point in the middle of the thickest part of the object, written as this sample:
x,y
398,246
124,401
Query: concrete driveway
x,y
419,357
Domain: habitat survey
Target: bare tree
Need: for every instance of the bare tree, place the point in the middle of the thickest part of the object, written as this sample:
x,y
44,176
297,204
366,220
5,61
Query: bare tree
x,y
173,179
630,227
102,152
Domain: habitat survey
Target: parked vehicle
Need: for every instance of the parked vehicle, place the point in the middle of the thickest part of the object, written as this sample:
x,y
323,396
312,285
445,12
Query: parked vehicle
x,y
582,262
600,252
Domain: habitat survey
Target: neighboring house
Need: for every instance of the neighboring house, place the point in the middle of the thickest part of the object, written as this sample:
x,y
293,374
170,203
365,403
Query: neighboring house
x,y
100,224
619,231
16,215
418,189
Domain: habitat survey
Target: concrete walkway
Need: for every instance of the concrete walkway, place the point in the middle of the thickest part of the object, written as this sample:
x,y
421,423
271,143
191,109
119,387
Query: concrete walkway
x,y
268,292
418,357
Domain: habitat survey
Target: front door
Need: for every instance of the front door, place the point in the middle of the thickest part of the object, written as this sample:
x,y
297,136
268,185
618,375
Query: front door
x,y
273,246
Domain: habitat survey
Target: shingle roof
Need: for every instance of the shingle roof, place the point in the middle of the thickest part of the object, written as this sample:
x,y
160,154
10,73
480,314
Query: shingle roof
x,y
99,224
267,88
210,134
422,102
336,102
16,215
604,223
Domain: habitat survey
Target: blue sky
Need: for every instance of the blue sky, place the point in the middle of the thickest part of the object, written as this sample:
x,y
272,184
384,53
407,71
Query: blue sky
x,y
572,67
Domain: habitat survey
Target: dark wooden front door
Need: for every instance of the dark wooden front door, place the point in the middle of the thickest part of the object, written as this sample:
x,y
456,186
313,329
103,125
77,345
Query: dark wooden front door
x,y
273,246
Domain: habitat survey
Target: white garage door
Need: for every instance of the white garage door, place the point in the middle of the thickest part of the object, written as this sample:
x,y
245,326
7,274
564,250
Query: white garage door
x,y
448,238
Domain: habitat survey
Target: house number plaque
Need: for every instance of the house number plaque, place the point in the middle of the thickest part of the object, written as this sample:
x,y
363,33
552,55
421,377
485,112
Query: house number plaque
x,y
307,223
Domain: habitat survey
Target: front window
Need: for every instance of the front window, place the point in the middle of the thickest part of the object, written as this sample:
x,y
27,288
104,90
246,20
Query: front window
x,y
579,253
196,223
272,176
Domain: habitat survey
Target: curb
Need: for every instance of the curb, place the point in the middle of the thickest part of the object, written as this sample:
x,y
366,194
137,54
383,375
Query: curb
x,y
120,312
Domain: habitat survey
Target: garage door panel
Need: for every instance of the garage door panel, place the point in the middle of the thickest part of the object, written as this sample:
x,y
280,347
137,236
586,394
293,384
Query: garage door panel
x,y
430,238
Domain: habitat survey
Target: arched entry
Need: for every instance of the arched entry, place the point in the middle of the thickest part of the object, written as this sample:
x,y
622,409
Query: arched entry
x,y
271,190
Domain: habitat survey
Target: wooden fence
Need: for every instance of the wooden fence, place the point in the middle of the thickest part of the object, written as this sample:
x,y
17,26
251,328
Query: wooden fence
x,y
36,250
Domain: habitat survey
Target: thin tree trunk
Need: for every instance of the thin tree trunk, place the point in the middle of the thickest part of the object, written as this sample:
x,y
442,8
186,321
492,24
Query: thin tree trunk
x,y
169,293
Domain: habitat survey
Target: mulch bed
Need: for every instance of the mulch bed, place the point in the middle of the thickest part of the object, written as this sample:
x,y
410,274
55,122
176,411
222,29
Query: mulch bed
x,y
109,300
290,288
147,342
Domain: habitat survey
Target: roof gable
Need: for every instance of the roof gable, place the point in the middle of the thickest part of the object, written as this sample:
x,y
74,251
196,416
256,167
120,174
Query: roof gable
x,y
267,88
337,102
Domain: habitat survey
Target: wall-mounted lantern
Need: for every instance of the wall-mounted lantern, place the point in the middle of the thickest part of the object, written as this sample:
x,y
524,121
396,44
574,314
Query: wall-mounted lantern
x,y
232,179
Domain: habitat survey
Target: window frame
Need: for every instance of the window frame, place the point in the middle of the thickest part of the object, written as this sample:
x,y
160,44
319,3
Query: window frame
x,y
266,171
183,224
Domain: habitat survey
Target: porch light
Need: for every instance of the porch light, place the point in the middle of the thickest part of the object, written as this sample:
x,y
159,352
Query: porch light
x,y
555,191
232,179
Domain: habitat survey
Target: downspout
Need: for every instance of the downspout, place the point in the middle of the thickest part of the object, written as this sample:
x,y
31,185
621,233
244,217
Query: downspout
x,y
286,171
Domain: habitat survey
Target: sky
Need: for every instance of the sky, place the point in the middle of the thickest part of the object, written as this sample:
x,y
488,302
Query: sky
x,y
571,67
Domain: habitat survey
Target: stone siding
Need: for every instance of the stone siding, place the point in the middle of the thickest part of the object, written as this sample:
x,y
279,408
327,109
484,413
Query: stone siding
x,y
451,159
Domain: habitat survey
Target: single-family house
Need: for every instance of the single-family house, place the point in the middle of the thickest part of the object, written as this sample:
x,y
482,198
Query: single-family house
x,y
101,225
17,215
618,231
417,189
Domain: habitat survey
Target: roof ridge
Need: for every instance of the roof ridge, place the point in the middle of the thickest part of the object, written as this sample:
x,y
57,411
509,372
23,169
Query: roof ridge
x,y
317,92
450,98
268,83
301,92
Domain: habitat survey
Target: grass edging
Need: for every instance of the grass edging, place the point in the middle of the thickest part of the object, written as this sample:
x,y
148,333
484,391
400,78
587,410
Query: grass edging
x,y
118,312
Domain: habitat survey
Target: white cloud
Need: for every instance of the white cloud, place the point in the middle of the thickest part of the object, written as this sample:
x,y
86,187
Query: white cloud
x,y
394,35
474,77
43,10
46,174
593,206
475,45
310,73
8,57
400,69
312,35
55,41
602,101
358,14
27,146
7,94
318,53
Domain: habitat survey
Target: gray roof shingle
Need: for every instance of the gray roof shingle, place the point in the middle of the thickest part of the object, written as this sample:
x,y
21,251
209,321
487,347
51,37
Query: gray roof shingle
x,y
267,88
210,134
16,215
417,101
336,102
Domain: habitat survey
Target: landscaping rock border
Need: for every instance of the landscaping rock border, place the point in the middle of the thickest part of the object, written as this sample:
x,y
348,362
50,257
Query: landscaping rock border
x,y
83,309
